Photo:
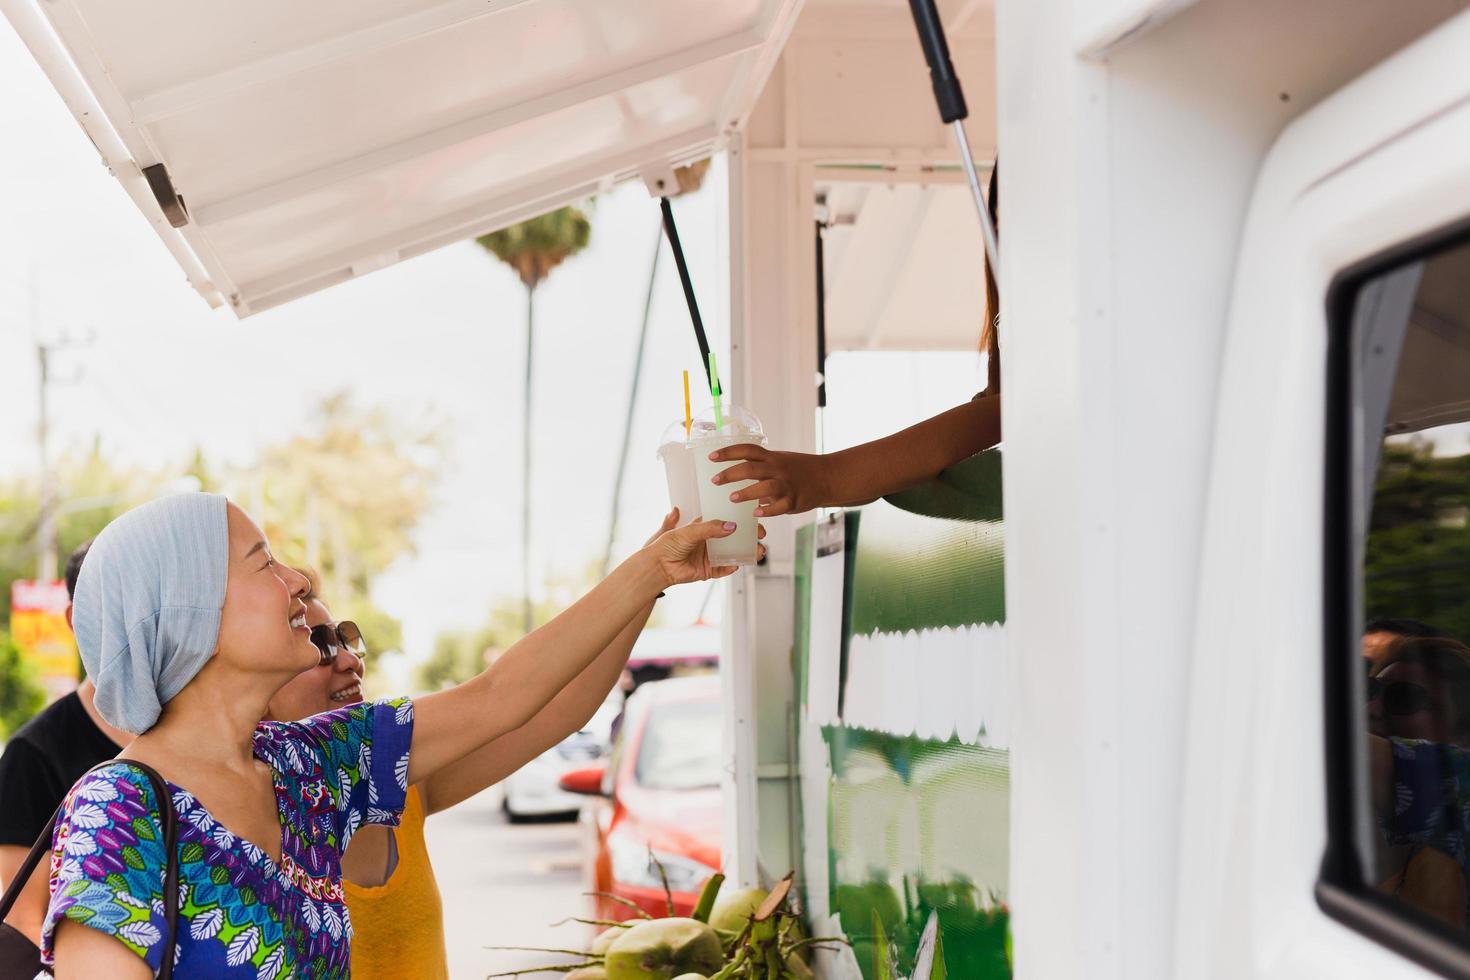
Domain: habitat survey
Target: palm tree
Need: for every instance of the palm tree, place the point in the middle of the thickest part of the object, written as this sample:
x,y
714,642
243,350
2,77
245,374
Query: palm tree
x,y
533,248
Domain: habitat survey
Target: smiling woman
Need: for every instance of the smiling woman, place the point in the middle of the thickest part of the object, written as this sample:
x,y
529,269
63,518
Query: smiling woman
x,y
334,682
191,629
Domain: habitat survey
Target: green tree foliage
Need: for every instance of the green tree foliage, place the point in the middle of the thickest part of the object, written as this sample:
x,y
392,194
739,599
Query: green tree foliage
x,y
1418,548
344,496
533,248
21,694
460,655
90,492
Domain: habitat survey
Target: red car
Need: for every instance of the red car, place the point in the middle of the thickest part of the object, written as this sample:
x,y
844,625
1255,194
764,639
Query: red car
x,y
657,800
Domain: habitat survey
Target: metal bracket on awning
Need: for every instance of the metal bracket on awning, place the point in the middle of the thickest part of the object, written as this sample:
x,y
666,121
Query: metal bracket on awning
x,y
169,201
664,182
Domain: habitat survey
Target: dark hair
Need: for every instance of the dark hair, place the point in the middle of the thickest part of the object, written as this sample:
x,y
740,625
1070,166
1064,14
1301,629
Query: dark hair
x,y
1407,627
990,329
74,568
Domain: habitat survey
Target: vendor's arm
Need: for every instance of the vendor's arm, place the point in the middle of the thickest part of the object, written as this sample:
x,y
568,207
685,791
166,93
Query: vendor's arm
x,y
789,483
526,678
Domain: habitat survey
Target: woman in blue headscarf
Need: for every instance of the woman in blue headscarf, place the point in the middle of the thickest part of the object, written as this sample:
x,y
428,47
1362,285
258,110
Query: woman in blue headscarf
x,y
188,626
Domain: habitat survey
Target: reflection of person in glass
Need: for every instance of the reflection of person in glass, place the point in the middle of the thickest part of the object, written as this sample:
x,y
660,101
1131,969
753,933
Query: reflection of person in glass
x,y
1419,726
1380,634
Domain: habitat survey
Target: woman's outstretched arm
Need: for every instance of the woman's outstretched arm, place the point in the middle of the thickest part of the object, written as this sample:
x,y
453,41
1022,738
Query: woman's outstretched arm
x,y
567,713
511,692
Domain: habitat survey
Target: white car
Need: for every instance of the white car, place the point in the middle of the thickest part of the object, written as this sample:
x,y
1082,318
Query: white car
x,y
534,790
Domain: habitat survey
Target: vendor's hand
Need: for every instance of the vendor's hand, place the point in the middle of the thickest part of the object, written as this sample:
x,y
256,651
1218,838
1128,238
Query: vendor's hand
x,y
682,556
786,483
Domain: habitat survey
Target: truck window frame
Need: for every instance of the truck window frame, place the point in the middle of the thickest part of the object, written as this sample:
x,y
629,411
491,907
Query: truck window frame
x,y
1342,891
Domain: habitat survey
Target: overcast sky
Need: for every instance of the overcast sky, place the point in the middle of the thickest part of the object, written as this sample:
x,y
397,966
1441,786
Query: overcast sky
x,y
442,334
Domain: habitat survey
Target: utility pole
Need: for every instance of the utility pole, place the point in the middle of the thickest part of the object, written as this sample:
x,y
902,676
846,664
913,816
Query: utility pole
x,y
46,530
50,499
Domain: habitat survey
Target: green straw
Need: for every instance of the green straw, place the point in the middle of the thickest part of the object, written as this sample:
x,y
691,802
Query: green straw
x,y
714,391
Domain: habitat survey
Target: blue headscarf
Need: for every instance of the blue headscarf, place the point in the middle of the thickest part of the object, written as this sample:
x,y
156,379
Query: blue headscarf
x,y
147,606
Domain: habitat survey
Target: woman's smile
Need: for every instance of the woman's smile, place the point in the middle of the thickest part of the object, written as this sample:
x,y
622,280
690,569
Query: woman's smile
x,y
350,694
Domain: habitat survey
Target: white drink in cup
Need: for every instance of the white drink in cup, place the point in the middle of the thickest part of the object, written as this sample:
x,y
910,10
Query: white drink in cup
x,y
678,458
738,427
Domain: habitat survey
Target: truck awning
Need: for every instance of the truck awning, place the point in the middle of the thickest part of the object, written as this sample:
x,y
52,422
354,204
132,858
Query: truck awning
x,y
282,148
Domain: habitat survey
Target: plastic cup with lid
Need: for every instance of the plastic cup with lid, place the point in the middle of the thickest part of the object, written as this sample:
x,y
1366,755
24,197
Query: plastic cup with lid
x,y
677,455
738,427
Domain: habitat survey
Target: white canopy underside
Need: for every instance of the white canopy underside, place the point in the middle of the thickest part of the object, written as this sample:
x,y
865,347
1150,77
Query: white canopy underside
x,y
312,142
308,144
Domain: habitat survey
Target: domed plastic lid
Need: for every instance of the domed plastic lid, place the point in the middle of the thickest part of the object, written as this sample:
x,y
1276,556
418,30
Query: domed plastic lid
x,y
675,432
735,421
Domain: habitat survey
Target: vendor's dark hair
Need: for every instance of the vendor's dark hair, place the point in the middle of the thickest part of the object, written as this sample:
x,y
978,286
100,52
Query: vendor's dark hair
x,y
990,329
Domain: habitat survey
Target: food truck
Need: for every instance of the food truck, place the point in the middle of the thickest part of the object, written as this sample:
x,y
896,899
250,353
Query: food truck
x,y
1093,701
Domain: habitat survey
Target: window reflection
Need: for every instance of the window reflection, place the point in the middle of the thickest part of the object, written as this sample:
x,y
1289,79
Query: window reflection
x,y
1413,329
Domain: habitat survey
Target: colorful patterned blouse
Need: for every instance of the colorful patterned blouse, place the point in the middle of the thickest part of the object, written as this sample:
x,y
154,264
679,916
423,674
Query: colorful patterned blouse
x,y
240,914
1431,786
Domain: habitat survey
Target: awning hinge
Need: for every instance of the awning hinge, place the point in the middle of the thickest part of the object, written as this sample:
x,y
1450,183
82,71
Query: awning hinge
x,y
168,199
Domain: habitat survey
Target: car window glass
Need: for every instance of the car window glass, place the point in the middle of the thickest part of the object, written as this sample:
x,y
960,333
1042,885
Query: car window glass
x,y
681,747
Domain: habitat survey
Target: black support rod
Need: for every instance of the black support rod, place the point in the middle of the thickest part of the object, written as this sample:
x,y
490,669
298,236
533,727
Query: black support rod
x,y
952,110
671,231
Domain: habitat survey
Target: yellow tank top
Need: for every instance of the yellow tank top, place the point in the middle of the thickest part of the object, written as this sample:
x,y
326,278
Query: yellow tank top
x,y
398,927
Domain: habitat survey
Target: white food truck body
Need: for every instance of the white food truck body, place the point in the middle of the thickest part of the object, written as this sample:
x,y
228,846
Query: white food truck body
x,y
1182,183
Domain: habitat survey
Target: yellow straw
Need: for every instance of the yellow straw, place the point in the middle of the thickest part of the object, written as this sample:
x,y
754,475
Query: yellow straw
x,y
688,419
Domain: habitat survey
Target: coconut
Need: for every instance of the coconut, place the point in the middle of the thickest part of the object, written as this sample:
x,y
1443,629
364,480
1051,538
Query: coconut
x,y
604,940
661,949
734,909
587,973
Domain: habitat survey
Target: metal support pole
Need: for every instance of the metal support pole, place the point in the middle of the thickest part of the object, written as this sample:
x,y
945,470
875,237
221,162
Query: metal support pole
x,y
952,110
821,315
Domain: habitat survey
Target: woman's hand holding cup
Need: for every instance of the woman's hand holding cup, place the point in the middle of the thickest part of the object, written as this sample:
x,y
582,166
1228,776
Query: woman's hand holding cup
x,y
681,553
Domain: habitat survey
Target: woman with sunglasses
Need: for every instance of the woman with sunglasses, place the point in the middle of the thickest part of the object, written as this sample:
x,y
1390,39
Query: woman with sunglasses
x,y
190,628
387,878
1419,736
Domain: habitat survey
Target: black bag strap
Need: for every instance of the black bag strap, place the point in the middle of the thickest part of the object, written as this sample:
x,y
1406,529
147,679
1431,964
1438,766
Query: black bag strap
x,y
170,820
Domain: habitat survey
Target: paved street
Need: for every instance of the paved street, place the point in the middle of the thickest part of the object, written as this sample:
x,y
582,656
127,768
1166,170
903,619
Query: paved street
x,y
504,885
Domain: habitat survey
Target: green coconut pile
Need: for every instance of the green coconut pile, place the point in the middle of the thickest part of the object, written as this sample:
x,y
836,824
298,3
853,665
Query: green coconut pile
x,y
749,934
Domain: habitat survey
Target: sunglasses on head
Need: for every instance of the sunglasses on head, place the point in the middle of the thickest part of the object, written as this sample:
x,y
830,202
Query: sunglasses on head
x,y
1398,697
329,638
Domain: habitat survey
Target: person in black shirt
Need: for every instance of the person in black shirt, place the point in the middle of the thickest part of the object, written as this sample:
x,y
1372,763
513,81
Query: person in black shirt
x,y
43,759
